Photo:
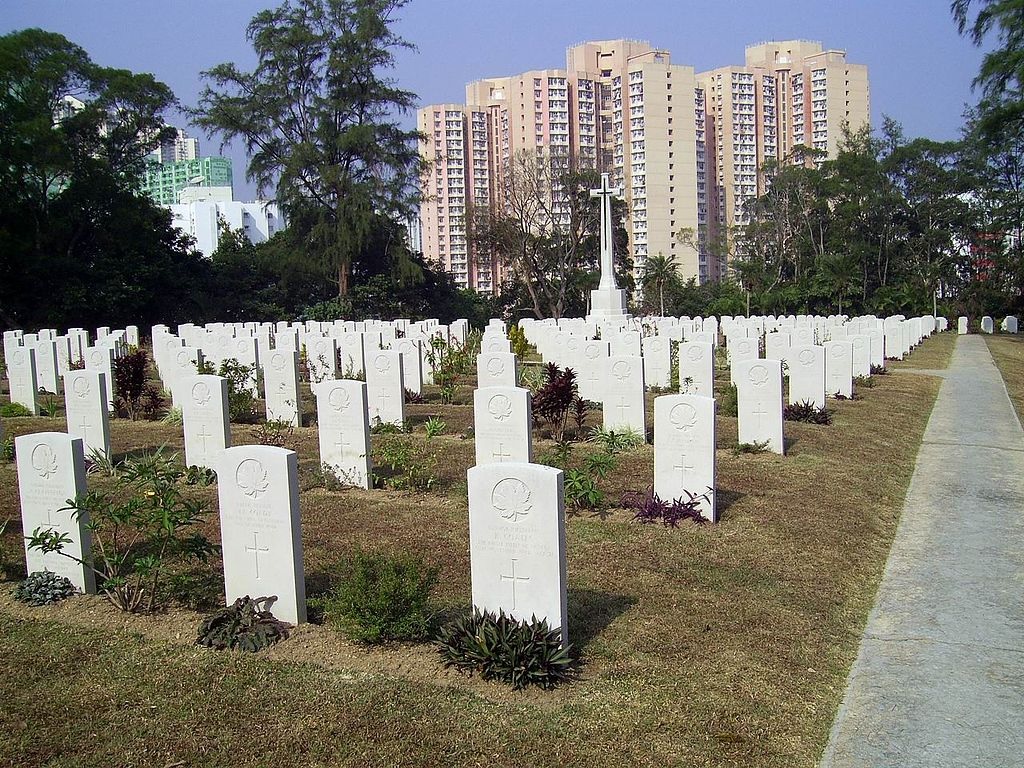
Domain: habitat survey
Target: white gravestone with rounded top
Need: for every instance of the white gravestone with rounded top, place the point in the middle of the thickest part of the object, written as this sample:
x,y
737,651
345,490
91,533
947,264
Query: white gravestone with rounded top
x,y
502,420
517,542
281,385
697,368
623,394
987,324
21,378
593,355
47,367
204,416
759,392
657,354
344,430
961,325
385,387
85,402
102,359
412,363
684,449
839,368
496,369
861,354
807,375
321,357
51,471
261,536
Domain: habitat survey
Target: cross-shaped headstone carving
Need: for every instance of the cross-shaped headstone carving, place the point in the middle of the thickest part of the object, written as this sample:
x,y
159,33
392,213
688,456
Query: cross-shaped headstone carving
x,y
623,407
759,411
500,455
683,466
256,549
513,578
202,434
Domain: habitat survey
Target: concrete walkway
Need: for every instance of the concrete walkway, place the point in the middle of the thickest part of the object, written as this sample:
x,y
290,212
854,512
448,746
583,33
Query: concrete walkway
x,y
939,677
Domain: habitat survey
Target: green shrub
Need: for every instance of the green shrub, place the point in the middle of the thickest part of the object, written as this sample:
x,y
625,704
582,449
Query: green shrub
x,y
14,410
134,396
137,524
519,653
612,441
381,598
397,466
518,342
241,402
7,448
435,426
757,447
246,625
729,402
807,412
44,588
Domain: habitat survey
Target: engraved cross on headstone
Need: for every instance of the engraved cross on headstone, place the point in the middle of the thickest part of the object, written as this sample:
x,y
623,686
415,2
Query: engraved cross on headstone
x,y
203,434
606,193
623,407
513,578
683,466
256,549
759,411
500,455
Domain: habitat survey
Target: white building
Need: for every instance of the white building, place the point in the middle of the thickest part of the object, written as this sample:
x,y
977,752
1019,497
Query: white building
x,y
204,210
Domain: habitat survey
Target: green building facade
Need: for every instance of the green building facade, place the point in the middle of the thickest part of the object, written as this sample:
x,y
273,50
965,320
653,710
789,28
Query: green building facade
x,y
163,181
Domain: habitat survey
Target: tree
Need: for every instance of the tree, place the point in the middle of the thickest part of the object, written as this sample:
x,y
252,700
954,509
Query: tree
x,y
547,232
73,136
319,121
1002,69
658,272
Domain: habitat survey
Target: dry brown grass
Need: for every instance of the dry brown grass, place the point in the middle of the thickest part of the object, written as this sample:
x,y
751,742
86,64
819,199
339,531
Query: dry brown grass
x,y
933,355
1008,353
701,646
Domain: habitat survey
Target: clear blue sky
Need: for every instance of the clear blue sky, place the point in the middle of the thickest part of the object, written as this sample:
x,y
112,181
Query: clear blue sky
x,y
920,69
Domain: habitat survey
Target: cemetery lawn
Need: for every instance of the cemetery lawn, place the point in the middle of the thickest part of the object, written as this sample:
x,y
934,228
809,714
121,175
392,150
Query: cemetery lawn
x,y
933,355
1008,352
701,646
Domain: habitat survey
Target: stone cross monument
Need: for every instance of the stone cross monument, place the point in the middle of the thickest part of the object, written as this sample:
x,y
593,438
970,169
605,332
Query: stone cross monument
x,y
608,300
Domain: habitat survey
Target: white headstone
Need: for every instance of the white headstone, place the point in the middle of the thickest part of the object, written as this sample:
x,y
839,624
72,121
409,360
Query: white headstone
x,y
861,354
593,357
51,470
961,325
987,324
807,375
502,420
517,542
839,368
496,369
85,402
684,449
204,415
385,387
657,354
47,367
102,359
21,377
623,394
281,385
344,430
759,391
412,363
697,368
1009,324
261,538
321,358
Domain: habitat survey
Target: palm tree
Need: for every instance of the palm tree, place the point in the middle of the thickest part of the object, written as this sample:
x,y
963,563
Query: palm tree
x,y
839,273
658,271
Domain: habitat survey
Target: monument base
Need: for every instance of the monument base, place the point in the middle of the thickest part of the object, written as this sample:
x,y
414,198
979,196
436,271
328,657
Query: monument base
x,y
608,303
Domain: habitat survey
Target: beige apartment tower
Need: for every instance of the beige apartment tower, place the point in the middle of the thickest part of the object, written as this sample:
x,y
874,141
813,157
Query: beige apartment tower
x,y
687,149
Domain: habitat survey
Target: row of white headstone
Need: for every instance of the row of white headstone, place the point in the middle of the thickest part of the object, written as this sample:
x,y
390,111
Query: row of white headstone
x,y
258,493
389,364
1008,325
41,361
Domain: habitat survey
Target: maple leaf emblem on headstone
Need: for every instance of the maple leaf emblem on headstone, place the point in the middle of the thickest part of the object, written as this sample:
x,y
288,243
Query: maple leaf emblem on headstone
x,y
621,370
339,399
251,478
201,393
758,375
500,407
44,461
81,387
806,357
495,366
695,353
381,363
683,416
511,497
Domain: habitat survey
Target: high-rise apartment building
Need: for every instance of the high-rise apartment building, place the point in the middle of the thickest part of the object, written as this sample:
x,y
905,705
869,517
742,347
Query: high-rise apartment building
x,y
164,181
174,147
686,148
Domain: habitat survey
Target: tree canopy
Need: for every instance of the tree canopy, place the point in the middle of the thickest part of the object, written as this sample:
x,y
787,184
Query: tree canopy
x,y
319,120
78,244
